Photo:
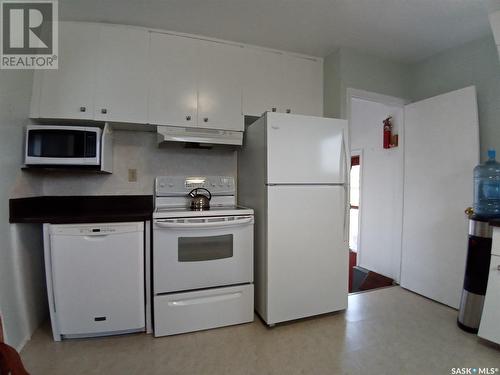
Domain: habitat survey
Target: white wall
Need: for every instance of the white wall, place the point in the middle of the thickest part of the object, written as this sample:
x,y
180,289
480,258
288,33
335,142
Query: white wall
x,y
21,275
139,150
381,186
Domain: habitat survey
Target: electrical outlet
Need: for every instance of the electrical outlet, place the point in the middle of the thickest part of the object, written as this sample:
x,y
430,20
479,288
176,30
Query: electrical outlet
x,y
132,175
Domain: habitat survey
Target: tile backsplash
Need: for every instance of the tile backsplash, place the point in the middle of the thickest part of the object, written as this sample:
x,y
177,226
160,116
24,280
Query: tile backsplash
x,y
139,151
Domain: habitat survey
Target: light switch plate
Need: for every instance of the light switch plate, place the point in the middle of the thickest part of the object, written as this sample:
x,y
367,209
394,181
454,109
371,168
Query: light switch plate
x,y
132,175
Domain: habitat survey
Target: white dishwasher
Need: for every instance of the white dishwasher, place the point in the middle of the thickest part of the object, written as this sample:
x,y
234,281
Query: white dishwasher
x,y
95,278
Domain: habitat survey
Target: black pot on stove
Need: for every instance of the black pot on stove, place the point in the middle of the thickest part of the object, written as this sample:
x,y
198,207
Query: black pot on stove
x,y
200,202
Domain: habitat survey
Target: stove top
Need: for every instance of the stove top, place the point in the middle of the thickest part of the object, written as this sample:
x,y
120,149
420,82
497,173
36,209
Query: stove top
x,y
172,200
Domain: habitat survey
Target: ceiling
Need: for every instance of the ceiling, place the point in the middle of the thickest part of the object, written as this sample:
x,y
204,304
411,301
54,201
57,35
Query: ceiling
x,y
402,30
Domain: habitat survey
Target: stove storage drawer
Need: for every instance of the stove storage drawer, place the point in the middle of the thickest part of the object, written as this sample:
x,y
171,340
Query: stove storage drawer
x,y
193,311
195,253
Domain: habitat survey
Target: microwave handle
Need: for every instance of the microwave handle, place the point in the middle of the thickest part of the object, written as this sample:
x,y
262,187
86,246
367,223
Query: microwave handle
x,y
226,223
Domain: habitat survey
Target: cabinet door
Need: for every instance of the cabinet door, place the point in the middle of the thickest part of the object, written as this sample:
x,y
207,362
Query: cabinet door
x,y
262,81
489,328
173,80
122,74
302,86
220,86
67,92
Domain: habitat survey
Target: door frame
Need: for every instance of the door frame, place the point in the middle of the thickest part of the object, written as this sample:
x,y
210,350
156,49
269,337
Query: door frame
x,y
352,93
357,152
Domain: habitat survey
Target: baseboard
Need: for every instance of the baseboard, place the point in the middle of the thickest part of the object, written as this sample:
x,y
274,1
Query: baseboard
x,y
22,344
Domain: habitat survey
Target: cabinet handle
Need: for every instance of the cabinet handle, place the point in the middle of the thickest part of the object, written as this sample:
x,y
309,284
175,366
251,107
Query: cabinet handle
x,y
188,118
83,109
205,119
288,111
273,109
104,111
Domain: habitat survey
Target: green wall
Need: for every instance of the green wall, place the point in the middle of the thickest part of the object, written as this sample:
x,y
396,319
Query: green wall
x,y
347,68
475,63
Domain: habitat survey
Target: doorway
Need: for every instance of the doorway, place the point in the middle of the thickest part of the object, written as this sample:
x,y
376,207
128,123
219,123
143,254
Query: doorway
x,y
376,191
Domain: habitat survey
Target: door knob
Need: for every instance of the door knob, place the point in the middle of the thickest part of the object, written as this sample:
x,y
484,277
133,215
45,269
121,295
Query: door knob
x,y
188,118
104,111
83,109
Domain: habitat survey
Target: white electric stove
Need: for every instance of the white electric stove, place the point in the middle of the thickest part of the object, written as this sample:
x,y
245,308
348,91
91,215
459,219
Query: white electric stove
x,y
202,260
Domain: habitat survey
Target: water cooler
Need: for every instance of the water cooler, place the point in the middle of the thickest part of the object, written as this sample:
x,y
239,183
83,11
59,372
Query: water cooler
x,y
486,207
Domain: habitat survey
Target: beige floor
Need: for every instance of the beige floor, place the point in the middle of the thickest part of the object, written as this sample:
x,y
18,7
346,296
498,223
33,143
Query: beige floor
x,y
387,331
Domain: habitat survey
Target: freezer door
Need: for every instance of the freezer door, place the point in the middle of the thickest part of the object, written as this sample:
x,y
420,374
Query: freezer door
x,y
307,253
304,149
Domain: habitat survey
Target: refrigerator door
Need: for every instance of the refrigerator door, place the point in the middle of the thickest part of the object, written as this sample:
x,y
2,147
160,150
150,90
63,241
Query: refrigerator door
x,y
307,255
305,150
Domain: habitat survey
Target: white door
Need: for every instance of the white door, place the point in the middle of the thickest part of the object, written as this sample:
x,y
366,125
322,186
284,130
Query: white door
x,y
68,92
263,77
122,75
220,87
98,278
307,251
303,149
173,80
302,88
441,149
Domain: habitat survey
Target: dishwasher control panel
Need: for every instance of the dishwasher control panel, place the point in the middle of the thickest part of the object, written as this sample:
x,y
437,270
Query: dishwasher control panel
x,y
96,229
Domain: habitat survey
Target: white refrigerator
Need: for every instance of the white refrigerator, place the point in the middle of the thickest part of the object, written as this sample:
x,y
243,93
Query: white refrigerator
x,y
293,170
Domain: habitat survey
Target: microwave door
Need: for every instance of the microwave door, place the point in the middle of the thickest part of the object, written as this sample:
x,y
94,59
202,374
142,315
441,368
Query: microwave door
x,y
51,146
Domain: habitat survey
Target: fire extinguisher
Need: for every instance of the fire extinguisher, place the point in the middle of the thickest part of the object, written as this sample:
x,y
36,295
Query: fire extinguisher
x,y
387,132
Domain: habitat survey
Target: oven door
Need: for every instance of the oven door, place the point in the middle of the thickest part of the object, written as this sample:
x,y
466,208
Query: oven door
x,y
202,252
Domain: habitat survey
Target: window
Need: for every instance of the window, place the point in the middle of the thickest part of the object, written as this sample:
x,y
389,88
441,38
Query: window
x,y
354,203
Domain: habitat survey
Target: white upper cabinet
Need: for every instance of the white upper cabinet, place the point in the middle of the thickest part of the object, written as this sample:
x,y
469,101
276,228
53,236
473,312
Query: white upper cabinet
x,y
68,92
280,82
303,86
173,90
119,73
262,81
220,86
122,74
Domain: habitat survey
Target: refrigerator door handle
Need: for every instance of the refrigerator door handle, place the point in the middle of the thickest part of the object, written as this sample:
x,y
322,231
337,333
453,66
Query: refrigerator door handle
x,y
347,204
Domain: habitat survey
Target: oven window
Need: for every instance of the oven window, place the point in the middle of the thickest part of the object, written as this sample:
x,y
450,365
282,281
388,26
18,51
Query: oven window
x,y
198,249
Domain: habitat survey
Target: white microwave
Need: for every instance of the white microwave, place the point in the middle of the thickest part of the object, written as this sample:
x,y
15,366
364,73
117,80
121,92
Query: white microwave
x,y
63,145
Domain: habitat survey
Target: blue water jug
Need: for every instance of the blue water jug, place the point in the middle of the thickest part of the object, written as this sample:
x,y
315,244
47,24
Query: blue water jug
x,y
487,188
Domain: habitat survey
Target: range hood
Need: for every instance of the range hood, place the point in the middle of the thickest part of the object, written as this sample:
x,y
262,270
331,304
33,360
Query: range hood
x,y
199,135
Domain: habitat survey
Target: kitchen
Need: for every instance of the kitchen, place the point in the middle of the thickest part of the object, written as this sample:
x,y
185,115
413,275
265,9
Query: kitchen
x,y
179,85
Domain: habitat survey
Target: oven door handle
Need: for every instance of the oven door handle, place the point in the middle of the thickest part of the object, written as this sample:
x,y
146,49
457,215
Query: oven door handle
x,y
225,223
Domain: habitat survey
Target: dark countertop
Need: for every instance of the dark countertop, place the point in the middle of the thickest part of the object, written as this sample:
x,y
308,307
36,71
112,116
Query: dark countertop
x,y
81,209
